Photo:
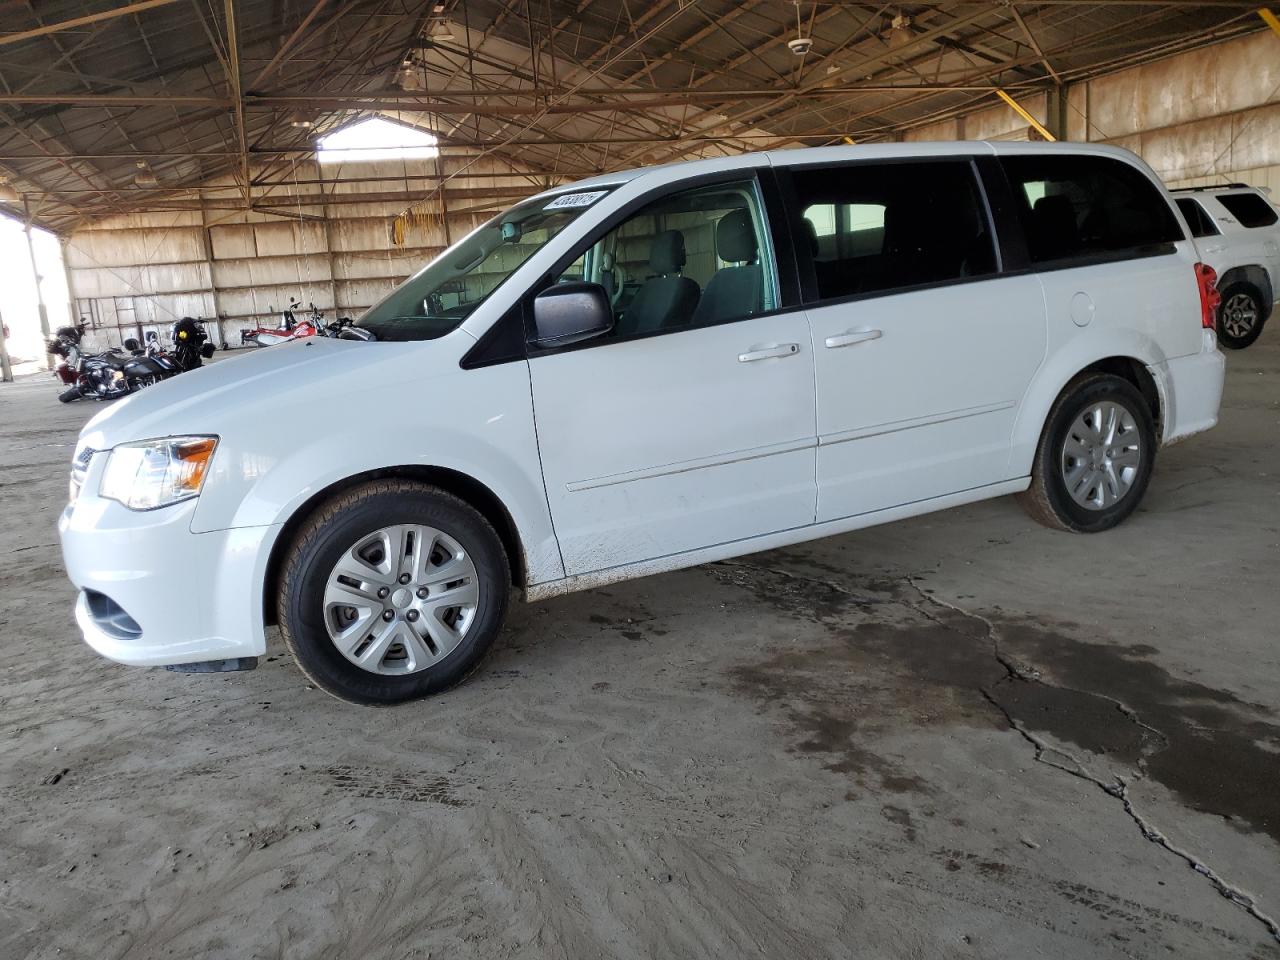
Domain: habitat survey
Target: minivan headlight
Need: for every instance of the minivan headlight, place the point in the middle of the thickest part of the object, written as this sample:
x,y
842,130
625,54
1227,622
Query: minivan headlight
x,y
156,473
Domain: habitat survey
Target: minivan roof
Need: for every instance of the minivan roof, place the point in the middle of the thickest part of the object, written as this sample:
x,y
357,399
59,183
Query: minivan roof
x,y
845,152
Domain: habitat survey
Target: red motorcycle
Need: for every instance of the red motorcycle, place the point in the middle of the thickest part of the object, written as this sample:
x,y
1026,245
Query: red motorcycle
x,y
292,329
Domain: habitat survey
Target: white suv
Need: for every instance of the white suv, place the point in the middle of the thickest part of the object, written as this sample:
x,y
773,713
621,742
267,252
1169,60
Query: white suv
x,y
645,371
1237,231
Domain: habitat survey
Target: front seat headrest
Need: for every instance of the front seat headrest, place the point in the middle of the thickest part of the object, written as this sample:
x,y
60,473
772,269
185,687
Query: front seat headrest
x,y
736,237
666,252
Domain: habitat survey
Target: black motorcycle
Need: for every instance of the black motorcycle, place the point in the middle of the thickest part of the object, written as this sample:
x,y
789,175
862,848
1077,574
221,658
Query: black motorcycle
x,y
114,374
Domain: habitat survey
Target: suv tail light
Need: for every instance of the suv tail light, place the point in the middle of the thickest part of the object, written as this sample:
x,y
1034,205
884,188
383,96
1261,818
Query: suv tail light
x,y
1207,281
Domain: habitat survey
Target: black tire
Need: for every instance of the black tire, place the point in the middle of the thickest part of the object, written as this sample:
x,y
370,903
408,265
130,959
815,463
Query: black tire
x,y
1048,500
69,394
341,522
1248,314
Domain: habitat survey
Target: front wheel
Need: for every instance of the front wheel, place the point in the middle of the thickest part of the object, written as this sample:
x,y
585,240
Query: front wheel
x,y
1095,456
392,591
69,394
1240,316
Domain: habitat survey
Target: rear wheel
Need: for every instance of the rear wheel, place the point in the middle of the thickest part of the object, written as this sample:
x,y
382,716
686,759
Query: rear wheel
x,y
392,591
1095,456
1240,315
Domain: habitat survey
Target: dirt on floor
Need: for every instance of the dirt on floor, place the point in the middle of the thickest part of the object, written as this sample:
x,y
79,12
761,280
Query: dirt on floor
x,y
960,736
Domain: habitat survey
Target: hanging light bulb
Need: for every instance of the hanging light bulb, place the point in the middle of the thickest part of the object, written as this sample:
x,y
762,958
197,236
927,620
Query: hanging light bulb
x,y
7,193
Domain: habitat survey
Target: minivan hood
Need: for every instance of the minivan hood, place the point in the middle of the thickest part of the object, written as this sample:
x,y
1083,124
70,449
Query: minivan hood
x,y
263,382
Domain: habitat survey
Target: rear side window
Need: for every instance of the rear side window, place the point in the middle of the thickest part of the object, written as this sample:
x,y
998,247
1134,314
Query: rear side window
x,y
1197,218
1249,208
1088,208
874,227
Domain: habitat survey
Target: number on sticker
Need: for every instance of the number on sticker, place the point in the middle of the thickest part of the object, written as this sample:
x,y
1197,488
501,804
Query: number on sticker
x,y
574,200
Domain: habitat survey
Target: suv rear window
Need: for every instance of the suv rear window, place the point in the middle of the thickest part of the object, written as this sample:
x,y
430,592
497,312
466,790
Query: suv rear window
x,y
1249,208
1197,218
1084,208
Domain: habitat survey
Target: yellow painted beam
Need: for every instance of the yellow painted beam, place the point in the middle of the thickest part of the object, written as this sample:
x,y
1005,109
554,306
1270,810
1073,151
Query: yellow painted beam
x,y
1270,19
1018,108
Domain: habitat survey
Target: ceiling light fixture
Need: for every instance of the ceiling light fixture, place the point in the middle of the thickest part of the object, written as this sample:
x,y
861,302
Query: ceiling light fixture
x,y
7,193
441,29
145,177
900,33
801,44
409,77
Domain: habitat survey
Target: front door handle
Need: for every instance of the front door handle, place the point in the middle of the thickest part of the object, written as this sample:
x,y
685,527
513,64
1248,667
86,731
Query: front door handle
x,y
768,353
852,337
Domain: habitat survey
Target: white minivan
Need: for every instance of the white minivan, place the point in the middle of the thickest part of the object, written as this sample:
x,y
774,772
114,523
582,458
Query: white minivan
x,y
645,371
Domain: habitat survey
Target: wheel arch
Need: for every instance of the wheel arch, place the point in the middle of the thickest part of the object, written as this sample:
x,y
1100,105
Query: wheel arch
x,y
461,485
1256,276
1045,393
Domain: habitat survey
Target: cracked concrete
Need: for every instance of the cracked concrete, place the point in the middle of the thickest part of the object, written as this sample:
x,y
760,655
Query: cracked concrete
x,y
958,736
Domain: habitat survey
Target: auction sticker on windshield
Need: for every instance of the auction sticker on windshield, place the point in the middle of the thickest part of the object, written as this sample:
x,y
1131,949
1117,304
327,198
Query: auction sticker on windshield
x,y
567,200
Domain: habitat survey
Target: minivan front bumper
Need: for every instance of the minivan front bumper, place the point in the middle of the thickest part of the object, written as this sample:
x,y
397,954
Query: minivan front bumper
x,y
1190,390
152,593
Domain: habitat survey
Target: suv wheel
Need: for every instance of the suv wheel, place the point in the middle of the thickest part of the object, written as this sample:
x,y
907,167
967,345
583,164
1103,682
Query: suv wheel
x,y
1095,456
1240,315
392,591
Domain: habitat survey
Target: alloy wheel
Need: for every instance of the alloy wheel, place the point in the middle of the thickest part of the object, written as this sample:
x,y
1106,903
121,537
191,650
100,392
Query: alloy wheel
x,y
1239,315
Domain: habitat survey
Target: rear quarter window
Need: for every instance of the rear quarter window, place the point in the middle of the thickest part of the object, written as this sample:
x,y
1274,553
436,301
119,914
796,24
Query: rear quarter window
x,y
1075,207
1249,209
1197,218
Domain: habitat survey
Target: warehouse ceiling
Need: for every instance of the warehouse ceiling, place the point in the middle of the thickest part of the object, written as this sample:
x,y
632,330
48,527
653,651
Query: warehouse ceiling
x,y
110,107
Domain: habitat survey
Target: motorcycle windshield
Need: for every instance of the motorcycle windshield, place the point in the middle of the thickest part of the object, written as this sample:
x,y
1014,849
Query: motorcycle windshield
x,y
442,294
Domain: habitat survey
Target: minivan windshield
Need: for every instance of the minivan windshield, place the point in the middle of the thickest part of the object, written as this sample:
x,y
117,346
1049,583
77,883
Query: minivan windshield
x,y
437,298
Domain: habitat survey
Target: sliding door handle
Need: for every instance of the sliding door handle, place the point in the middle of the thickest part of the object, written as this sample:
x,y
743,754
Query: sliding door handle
x,y
768,353
852,337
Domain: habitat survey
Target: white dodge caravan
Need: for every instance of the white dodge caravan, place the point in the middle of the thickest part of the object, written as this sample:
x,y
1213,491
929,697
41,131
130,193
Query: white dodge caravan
x,y
645,371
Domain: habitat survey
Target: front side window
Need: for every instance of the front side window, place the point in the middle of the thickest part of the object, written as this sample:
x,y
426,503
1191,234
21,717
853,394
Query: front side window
x,y
693,258
1249,209
1083,207
873,227
437,298
1197,218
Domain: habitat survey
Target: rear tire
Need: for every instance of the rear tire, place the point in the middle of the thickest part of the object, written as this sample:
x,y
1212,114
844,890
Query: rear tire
x,y
371,621
1095,456
1241,315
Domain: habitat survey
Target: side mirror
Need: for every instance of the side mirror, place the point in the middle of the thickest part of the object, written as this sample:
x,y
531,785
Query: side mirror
x,y
566,313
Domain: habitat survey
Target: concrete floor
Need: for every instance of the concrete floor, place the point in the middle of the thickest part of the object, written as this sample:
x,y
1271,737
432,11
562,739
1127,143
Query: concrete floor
x,y
959,736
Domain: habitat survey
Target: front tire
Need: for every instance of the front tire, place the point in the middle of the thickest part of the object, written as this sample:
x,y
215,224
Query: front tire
x,y
392,591
1095,456
69,394
1240,315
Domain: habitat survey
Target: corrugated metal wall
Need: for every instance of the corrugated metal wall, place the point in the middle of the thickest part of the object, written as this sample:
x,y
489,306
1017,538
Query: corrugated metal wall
x,y
1205,116
135,273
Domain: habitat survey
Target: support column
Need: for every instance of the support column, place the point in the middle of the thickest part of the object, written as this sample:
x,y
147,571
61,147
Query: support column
x,y
6,369
35,273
